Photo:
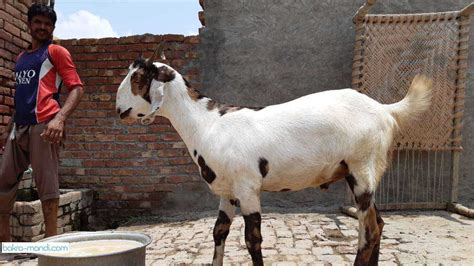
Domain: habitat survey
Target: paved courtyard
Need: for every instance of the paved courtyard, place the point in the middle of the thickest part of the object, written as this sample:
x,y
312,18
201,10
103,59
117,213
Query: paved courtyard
x,y
435,237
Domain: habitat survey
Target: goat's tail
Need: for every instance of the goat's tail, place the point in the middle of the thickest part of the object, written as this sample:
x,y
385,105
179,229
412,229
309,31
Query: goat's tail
x,y
415,103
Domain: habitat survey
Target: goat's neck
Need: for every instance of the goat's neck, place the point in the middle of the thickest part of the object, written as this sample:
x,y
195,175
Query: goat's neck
x,y
189,117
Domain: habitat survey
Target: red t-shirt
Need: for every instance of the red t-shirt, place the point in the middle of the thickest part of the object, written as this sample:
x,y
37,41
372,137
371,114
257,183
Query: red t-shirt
x,y
39,75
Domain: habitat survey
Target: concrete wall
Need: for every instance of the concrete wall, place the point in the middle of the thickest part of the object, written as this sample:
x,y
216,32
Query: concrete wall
x,y
266,52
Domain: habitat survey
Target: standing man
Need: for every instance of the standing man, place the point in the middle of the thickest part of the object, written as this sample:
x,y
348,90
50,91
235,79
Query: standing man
x,y
38,122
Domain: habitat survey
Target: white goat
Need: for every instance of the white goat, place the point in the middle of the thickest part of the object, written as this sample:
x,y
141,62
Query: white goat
x,y
308,142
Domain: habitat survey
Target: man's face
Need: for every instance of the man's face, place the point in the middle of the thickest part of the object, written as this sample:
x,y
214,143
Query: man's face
x,y
41,28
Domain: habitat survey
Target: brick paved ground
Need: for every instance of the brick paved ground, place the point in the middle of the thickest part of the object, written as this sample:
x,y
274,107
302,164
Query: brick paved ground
x,y
298,238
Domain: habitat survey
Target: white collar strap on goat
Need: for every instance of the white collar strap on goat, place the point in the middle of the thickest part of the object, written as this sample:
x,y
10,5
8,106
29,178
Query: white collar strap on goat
x,y
149,118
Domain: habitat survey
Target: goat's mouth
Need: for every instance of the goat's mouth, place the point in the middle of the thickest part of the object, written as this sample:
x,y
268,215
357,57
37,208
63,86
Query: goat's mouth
x,y
126,113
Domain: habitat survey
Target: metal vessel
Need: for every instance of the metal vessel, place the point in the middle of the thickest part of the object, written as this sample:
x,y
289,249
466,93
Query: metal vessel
x,y
132,257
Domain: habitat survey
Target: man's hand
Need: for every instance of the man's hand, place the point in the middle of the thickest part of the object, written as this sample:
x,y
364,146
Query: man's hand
x,y
54,130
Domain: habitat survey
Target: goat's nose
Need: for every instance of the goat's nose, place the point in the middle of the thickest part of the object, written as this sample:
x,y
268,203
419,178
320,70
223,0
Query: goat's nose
x,y
125,113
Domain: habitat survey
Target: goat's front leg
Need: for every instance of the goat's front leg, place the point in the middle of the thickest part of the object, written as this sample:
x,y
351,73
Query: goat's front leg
x,y
221,228
251,209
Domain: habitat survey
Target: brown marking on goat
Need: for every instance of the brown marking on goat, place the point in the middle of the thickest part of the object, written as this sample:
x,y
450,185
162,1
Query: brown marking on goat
x,y
263,166
285,190
351,181
206,172
235,202
194,94
253,237
165,74
364,200
341,171
140,84
225,109
221,228
372,237
374,258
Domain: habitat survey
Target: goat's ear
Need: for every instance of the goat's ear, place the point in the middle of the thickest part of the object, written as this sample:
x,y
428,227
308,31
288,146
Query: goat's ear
x,y
165,74
158,53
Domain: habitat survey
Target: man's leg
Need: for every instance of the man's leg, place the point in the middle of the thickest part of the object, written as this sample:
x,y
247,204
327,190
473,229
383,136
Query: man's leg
x,y
14,162
45,163
50,212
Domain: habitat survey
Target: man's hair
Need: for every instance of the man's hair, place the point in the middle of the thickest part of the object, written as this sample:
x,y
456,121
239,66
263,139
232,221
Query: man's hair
x,y
41,10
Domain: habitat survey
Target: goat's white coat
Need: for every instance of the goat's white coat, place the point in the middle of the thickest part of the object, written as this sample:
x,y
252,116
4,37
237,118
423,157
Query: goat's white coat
x,y
304,140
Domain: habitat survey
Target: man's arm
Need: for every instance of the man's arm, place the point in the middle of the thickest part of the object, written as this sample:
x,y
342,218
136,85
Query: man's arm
x,y
54,130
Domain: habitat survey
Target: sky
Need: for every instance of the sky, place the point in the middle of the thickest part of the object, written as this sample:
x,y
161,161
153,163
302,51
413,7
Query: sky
x,y
116,18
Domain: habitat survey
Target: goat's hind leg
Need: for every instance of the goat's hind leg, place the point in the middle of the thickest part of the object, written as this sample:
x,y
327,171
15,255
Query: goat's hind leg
x,y
221,228
370,222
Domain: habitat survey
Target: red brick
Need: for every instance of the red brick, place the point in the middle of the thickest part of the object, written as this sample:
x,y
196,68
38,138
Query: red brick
x,y
93,163
73,146
109,179
85,105
9,101
125,155
6,16
25,36
104,155
123,172
127,138
89,179
15,31
102,137
192,39
85,57
97,146
94,81
128,39
170,137
23,8
4,53
76,154
4,109
128,56
12,48
85,42
118,64
84,122
148,138
97,64
99,172
118,48
137,130
180,161
107,41
158,146
191,55
171,152
173,38
6,119
115,80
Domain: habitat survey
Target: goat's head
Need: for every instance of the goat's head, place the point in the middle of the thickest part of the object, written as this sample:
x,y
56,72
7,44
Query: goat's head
x,y
141,92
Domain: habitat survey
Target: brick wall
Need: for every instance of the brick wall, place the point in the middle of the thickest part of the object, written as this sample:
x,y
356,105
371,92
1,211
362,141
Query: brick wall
x,y
14,37
132,169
